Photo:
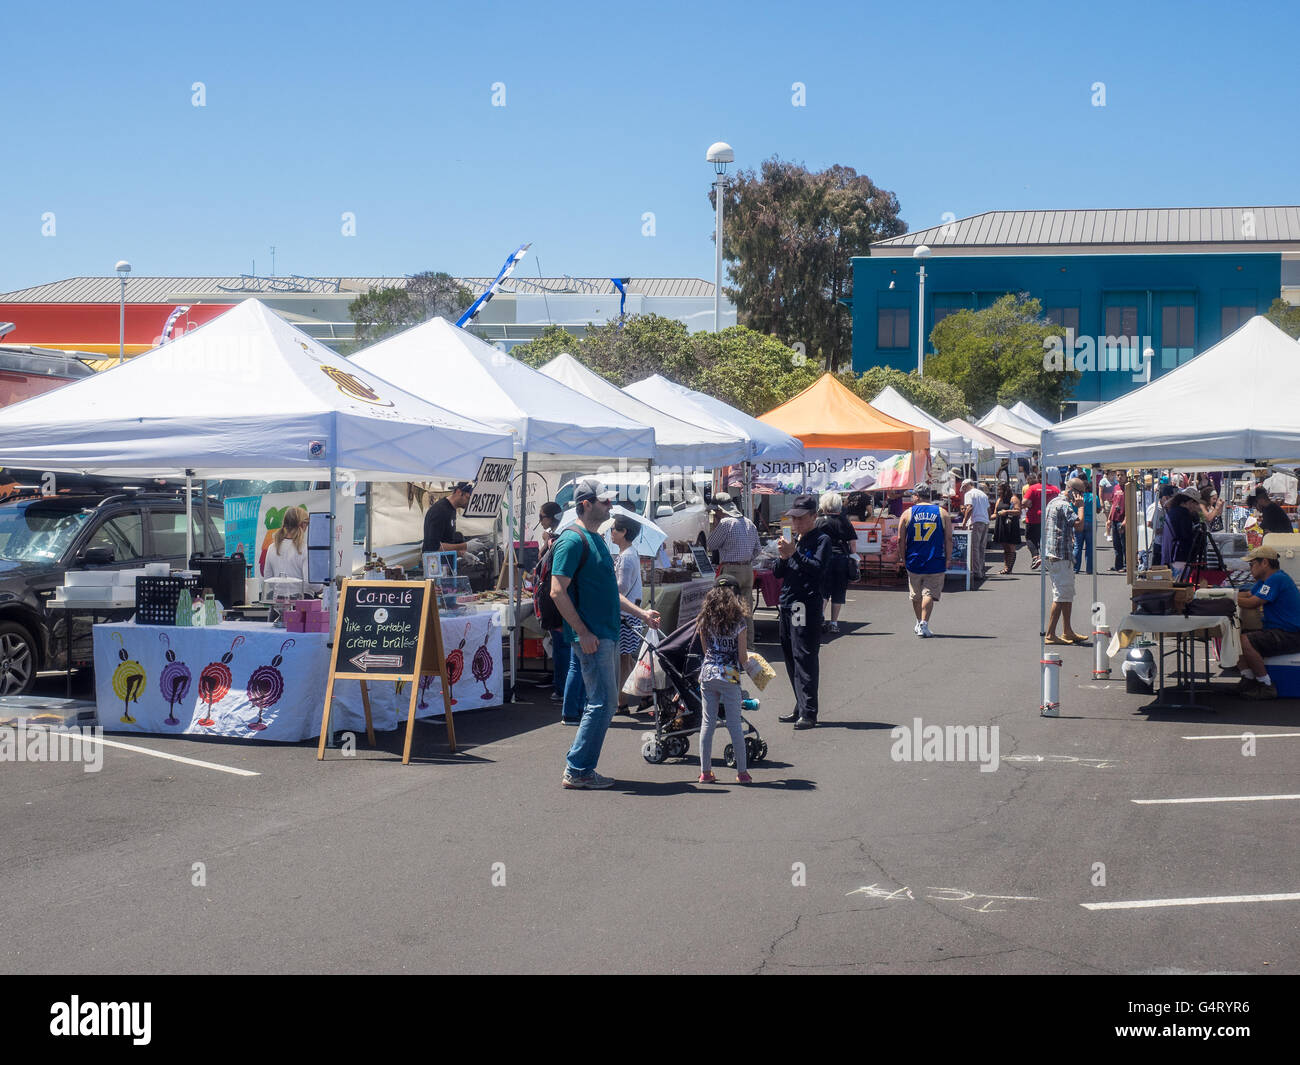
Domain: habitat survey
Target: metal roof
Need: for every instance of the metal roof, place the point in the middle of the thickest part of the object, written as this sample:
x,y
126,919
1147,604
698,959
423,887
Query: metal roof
x,y
1165,225
172,289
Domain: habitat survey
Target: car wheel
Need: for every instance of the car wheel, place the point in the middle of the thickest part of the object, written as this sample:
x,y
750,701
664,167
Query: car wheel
x,y
17,659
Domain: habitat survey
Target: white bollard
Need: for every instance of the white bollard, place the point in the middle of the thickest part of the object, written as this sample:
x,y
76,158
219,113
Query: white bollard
x,y
1101,660
1051,705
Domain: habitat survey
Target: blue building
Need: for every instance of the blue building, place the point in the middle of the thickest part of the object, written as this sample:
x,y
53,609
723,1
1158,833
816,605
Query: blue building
x,y
1172,280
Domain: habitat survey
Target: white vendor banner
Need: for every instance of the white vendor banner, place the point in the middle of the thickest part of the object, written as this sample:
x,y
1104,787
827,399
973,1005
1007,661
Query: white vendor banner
x,y
243,682
836,470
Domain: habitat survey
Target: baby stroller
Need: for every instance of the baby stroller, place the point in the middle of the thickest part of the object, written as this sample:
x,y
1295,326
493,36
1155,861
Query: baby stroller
x,y
678,709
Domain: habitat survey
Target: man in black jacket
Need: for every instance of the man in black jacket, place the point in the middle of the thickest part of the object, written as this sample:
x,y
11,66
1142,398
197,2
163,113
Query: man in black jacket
x,y
440,520
1272,518
801,567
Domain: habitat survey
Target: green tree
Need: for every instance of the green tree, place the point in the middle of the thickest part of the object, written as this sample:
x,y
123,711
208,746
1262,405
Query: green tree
x,y
749,370
937,398
637,346
789,236
555,340
385,311
997,356
1285,317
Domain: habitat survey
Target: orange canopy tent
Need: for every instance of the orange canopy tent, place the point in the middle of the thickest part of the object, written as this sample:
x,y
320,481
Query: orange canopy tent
x,y
828,415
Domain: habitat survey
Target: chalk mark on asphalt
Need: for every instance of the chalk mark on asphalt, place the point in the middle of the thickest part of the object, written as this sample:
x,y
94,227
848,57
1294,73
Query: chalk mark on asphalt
x,y
961,895
1062,759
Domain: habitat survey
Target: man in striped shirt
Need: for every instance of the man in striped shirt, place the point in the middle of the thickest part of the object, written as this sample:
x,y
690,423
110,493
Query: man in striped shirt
x,y
734,540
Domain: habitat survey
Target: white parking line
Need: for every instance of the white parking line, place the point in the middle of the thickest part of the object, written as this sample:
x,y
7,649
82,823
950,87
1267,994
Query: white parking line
x,y
1217,798
1208,900
1248,735
170,757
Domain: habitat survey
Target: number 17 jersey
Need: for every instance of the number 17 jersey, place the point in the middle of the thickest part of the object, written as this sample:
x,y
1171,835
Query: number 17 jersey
x,y
924,550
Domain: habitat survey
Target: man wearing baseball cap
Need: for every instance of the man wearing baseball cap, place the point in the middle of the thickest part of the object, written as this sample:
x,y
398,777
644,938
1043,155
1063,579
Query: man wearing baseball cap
x,y
585,590
734,539
803,562
1276,593
440,520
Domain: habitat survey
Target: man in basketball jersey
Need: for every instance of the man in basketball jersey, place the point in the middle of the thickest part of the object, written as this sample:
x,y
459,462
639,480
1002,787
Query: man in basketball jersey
x,y
925,536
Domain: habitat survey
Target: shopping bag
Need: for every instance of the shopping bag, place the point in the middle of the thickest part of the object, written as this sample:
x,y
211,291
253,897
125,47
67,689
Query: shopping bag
x,y
758,669
641,681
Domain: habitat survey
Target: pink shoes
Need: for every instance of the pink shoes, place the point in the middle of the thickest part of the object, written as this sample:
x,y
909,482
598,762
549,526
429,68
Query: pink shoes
x,y
744,778
707,778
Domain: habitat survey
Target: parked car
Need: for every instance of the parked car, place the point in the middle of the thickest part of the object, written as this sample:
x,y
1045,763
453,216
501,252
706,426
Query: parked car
x,y
677,504
42,537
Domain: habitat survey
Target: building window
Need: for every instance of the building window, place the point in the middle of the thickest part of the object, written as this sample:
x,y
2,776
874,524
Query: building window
x,y
1233,318
1177,335
1119,348
892,327
1066,317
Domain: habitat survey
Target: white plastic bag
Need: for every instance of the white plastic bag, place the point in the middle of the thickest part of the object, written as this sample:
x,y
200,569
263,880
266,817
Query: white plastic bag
x,y
645,675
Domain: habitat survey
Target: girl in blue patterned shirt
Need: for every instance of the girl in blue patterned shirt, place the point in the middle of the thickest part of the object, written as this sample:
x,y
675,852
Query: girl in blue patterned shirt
x,y
721,630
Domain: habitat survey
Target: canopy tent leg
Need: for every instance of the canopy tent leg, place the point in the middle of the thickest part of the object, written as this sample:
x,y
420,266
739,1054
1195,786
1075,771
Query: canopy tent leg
x,y
515,634
189,518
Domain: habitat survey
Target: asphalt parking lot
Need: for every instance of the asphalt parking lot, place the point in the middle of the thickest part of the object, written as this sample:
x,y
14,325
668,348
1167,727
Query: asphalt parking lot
x,y
841,857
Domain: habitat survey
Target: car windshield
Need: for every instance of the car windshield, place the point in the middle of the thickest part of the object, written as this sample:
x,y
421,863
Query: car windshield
x,y
39,531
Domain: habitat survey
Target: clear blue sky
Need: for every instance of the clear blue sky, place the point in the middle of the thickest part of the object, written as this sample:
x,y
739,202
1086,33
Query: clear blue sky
x,y
317,109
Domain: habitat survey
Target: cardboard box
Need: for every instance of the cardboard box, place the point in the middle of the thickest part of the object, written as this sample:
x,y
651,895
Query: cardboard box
x,y
316,621
294,621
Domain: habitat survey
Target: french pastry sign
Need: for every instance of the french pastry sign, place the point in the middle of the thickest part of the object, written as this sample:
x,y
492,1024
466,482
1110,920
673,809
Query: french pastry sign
x,y
490,486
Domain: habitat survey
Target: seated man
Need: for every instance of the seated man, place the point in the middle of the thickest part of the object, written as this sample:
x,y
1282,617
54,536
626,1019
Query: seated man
x,y
1276,592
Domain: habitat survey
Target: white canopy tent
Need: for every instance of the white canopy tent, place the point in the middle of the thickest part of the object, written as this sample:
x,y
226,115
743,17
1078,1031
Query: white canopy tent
x,y
544,416
765,442
1232,406
1010,427
1027,413
942,437
677,442
244,393
482,382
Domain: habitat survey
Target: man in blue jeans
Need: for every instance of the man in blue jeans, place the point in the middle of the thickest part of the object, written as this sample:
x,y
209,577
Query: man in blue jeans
x,y
586,594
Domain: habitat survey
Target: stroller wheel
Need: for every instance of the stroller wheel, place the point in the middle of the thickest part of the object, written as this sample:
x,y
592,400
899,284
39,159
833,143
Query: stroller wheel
x,y
653,751
752,749
762,751
729,756
677,746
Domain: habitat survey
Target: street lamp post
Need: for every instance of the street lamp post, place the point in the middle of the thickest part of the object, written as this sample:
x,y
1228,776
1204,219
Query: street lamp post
x,y
123,268
719,154
920,256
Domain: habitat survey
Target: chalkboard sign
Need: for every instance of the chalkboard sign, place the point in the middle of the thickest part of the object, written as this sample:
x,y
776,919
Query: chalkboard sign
x,y
702,561
380,627
387,630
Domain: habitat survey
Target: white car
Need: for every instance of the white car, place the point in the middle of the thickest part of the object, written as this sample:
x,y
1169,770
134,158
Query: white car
x,y
677,503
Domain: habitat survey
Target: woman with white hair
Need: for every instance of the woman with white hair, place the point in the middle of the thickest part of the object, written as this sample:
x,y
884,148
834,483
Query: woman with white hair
x,y
844,539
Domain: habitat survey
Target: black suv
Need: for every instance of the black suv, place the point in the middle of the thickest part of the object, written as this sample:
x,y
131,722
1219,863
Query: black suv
x,y
41,537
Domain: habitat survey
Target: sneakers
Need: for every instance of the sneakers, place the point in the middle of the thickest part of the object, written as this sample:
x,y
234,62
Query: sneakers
x,y
1260,691
923,629
1244,685
742,778
556,696
707,778
916,629
834,626
591,780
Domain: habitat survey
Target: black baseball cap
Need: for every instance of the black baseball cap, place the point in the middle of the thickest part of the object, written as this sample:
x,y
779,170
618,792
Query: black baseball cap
x,y
802,505
463,486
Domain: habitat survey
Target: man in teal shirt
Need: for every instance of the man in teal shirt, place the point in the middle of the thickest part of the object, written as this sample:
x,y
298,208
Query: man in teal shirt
x,y
586,594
